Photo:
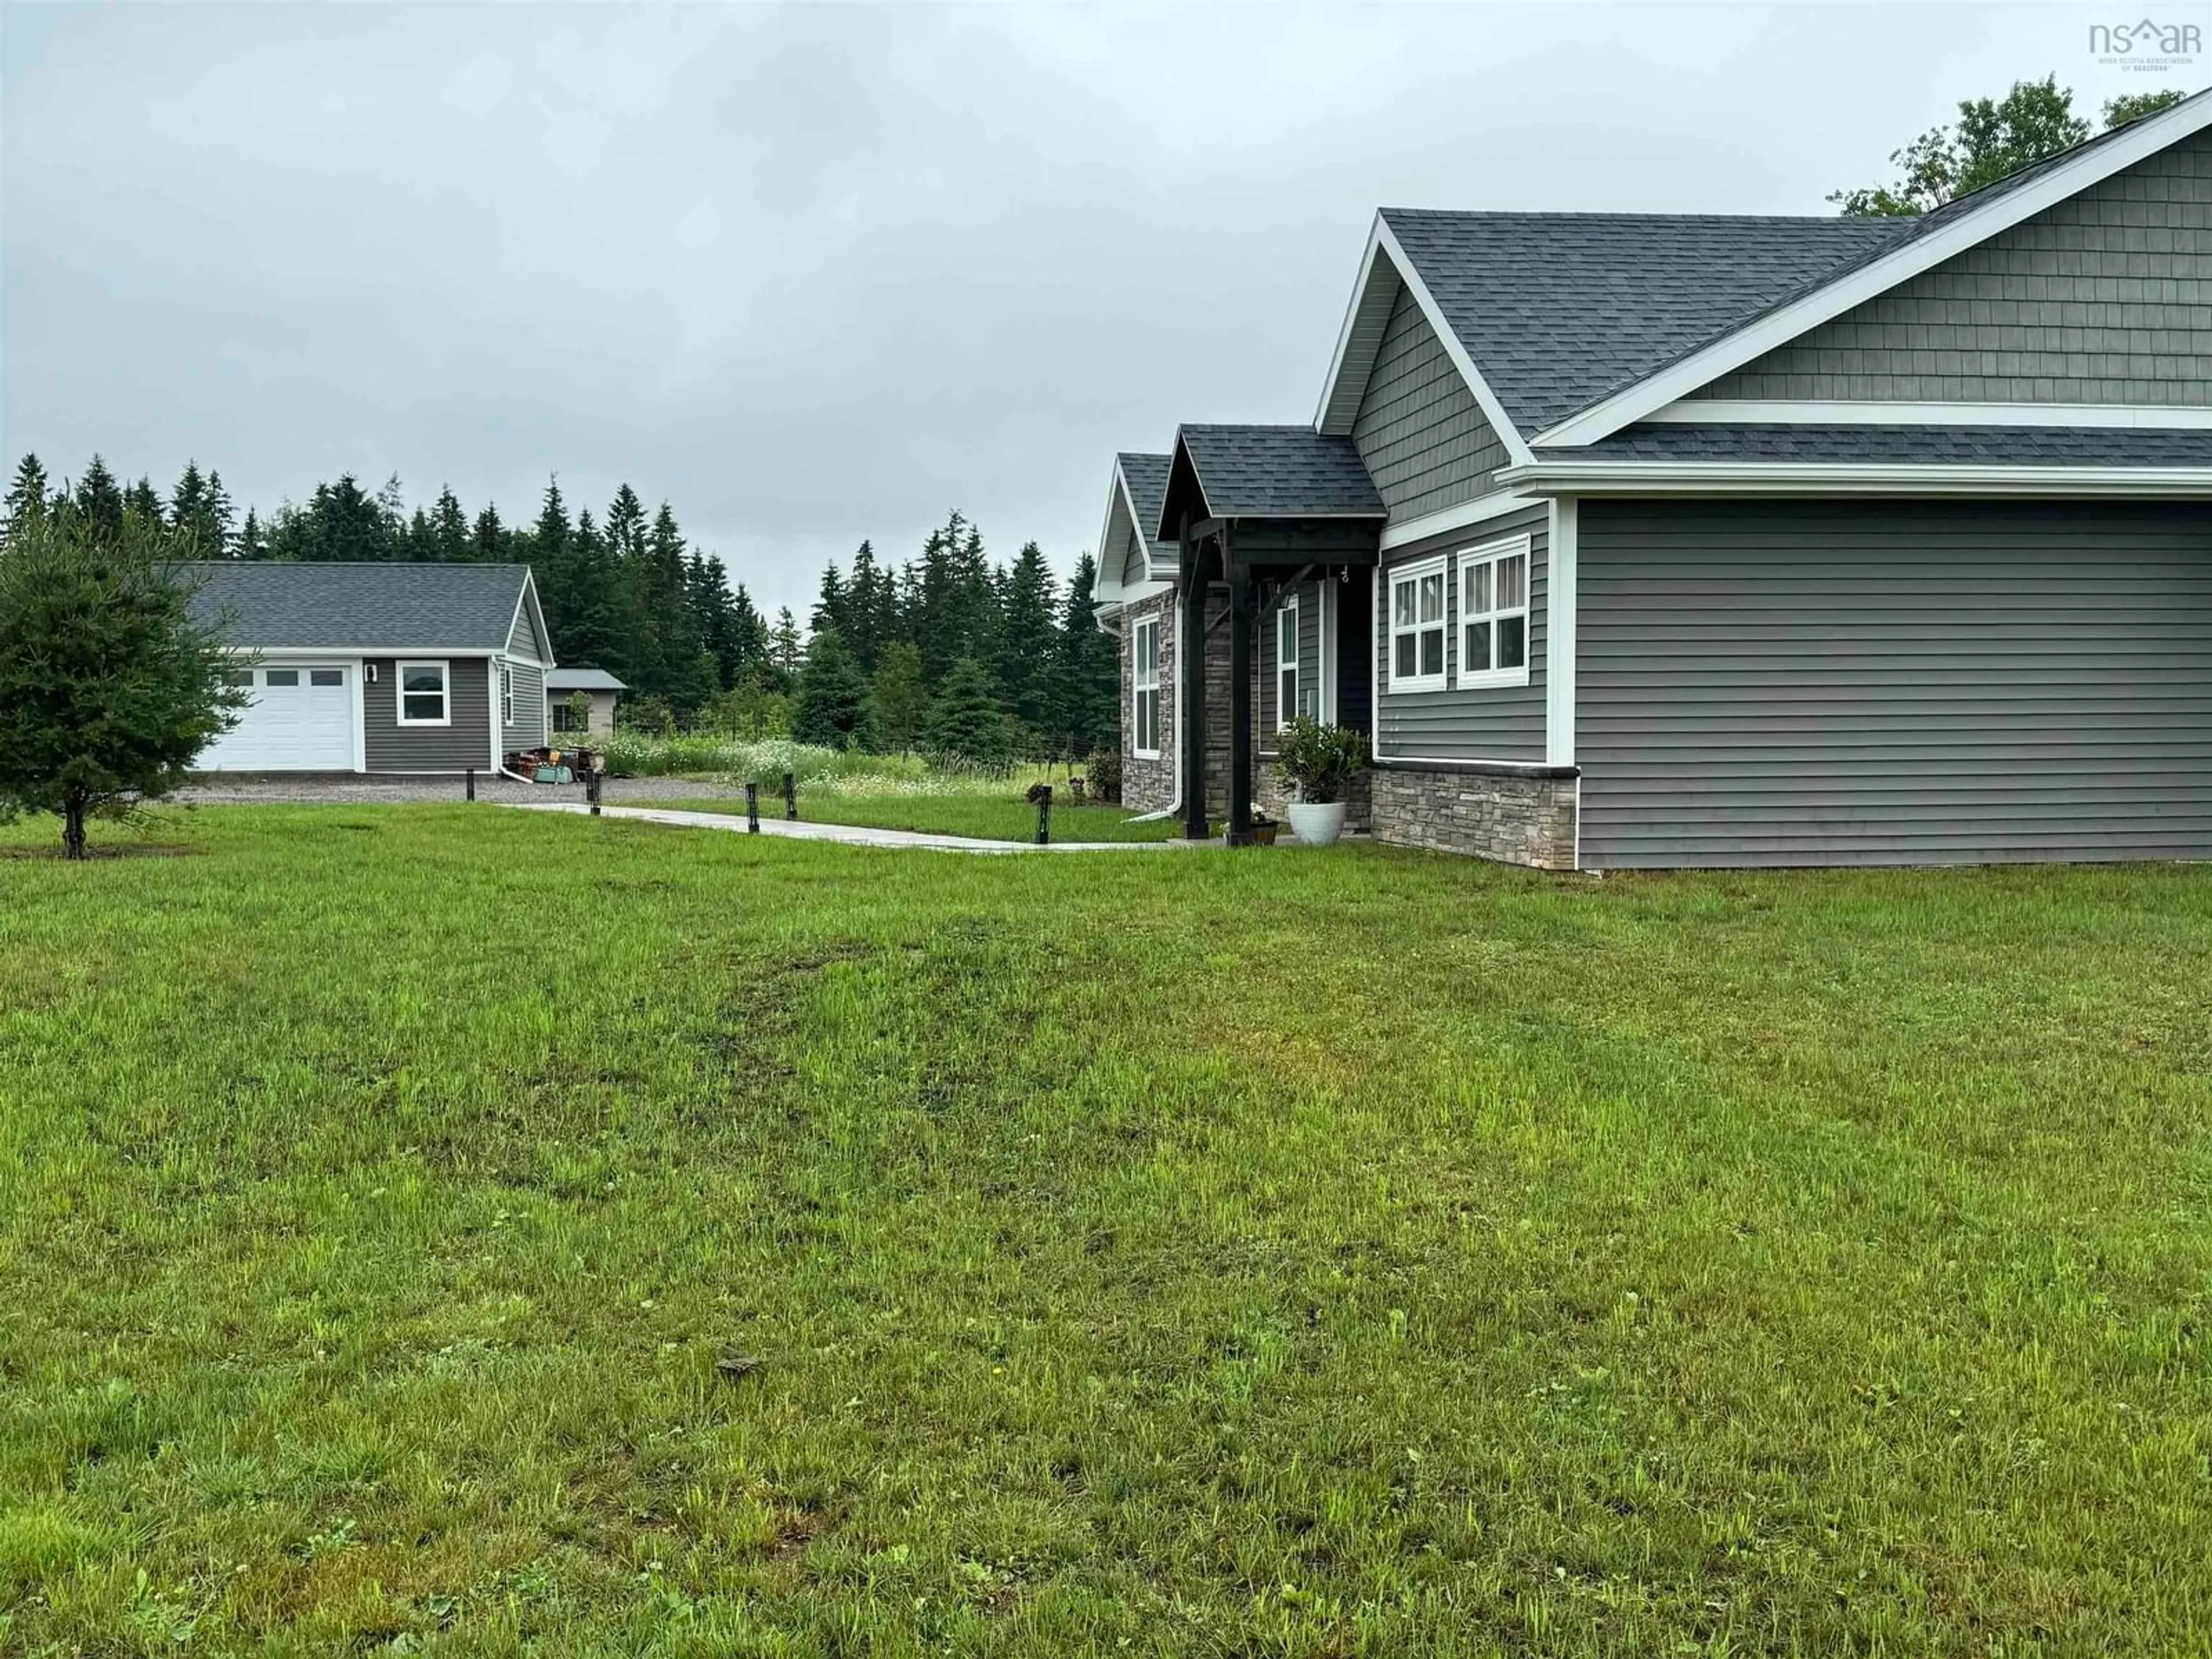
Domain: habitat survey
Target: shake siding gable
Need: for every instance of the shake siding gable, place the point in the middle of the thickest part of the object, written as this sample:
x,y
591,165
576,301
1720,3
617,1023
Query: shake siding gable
x,y
2103,298
1420,429
1496,723
1893,682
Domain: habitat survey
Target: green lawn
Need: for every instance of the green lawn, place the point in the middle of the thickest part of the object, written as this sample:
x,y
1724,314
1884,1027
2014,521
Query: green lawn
x,y
987,817
1281,1253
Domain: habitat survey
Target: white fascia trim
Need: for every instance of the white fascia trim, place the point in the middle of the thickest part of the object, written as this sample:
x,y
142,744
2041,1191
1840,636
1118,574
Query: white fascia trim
x,y
1517,447
1142,591
409,651
1480,510
1559,615
1117,491
1734,411
361,715
1802,479
2137,143
1344,331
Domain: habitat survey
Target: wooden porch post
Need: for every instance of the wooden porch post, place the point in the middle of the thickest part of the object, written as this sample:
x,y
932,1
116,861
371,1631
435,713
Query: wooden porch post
x,y
1240,695
1190,667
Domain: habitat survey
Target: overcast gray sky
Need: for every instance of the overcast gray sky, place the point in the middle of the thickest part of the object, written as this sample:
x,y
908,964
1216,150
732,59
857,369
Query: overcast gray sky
x,y
822,273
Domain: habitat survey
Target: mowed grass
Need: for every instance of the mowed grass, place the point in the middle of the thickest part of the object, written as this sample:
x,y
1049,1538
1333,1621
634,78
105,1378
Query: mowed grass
x,y
984,818
1298,1253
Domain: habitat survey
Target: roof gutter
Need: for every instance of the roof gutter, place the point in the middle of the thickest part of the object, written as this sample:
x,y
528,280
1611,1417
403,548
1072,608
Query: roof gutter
x,y
1628,477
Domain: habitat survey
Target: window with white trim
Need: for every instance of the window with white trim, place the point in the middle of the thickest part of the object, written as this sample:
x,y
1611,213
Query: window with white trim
x,y
1286,663
422,699
1145,677
1417,626
506,695
1494,614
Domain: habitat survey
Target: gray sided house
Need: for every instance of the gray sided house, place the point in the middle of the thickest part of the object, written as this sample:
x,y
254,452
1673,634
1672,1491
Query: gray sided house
x,y
384,668
1643,540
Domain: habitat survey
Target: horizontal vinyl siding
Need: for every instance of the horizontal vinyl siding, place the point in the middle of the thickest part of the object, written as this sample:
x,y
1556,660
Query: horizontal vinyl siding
x,y
523,641
1487,723
528,731
1852,682
1418,429
392,747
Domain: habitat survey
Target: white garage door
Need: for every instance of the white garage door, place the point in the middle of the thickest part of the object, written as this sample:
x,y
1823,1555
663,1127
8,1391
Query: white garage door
x,y
300,720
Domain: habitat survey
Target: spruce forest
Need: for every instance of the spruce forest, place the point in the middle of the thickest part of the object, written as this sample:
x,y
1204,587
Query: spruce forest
x,y
948,651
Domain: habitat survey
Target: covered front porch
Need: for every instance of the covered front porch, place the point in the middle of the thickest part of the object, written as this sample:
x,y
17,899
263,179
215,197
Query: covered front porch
x,y
1258,513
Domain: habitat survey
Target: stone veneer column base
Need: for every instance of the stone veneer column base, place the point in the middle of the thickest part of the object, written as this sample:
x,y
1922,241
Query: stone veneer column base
x,y
1512,818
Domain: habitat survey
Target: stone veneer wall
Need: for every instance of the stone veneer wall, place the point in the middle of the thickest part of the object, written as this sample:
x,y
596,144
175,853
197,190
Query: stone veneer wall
x,y
1513,819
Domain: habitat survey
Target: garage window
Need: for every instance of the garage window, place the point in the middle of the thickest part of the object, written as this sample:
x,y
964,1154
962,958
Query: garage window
x,y
242,677
326,676
422,695
283,677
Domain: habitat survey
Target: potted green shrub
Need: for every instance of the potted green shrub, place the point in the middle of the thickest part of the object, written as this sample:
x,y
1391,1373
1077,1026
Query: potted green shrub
x,y
1318,763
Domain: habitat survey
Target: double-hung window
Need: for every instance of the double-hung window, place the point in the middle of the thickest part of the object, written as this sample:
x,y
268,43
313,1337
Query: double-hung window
x,y
1145,715
1494,614
422,699
1417,626
506,695
1286,663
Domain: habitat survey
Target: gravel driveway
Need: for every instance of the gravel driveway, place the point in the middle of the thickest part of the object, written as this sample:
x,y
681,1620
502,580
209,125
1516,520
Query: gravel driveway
x,y
401,791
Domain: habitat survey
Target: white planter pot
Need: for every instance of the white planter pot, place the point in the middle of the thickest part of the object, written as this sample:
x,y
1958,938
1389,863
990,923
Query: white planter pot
x,y
1317,823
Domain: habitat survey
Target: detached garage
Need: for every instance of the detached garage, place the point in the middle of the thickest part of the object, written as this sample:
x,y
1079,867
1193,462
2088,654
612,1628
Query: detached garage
x,y
379,668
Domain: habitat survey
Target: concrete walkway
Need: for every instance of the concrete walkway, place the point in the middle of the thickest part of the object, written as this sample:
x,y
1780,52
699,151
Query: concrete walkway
x,y
853,835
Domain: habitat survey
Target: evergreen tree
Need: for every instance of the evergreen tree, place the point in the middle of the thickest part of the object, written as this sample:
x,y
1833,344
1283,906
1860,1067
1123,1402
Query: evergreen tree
x,y
1029,635
748,629
98,499
594,629
110,687
187,501
145,501
1087,669
784,649
899,698
688,672
831,705
491,536
871,610
967,718
26,496
251,543
449,529
830,608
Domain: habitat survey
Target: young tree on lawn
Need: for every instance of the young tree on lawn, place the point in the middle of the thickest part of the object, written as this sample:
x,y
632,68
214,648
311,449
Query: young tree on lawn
x,y
901,700
108,686
967,718
831,706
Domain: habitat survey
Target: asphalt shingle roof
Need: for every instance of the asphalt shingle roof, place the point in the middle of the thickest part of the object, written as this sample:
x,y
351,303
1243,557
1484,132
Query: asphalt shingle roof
x,y
1147,479
1559,310
375,606
582,679
1279,471
1907,445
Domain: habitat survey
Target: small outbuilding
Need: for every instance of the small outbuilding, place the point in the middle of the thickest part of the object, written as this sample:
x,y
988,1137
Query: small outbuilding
x,y
377,668
562,686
